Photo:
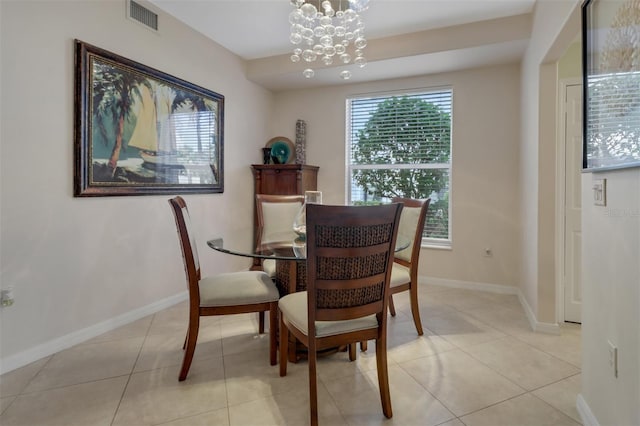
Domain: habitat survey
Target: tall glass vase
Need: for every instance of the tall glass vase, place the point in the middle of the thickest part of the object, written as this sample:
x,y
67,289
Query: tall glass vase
x,y
300,221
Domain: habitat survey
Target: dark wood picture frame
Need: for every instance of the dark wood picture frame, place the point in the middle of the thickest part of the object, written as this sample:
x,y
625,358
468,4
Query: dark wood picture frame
x,y
139,131
611,84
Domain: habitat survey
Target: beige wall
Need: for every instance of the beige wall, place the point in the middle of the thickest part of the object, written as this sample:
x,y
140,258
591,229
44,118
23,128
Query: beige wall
x,y
570,65
546,200
485,163
611,297
79,263
611,234
537,138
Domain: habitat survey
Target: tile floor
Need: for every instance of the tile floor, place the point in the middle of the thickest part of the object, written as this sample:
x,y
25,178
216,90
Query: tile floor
x,y
477,364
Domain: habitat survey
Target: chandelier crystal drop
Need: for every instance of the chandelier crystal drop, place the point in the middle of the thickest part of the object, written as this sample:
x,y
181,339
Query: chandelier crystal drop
x,y
331,32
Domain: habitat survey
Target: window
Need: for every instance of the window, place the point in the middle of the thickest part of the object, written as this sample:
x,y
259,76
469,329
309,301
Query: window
x,y
400,145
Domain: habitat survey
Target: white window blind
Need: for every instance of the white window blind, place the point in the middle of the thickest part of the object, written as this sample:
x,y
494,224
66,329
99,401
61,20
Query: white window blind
x,y
194,134
400,145
613,119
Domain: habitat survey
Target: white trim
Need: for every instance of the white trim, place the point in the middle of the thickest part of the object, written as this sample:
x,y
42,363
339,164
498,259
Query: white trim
x,y
48,348
469,285
432,166
349,167
542,327
560,198
396,92
561,171
431,244
588,419
547,328
347,150
531,316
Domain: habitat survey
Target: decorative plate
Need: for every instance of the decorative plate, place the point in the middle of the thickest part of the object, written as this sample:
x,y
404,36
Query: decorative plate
x,y
283,149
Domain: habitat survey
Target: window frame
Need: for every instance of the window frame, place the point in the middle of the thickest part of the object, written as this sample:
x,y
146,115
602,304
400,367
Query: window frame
x,y
437,243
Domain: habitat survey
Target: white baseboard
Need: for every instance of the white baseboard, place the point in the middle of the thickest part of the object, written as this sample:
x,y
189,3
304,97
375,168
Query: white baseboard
x,y
588,419
541,327
26,357
536,325
48,348
469,285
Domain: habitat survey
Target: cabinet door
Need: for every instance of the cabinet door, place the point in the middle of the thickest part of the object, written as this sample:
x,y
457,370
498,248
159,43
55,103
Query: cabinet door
x,y
279,182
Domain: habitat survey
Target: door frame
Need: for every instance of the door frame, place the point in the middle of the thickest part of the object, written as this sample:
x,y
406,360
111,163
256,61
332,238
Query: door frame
x,y
560,194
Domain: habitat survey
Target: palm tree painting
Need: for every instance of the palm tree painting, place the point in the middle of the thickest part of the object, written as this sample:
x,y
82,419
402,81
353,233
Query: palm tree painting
x,y
143,131
114,93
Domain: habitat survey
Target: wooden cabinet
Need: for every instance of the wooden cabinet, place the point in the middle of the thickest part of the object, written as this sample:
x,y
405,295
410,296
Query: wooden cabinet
x,y
284,179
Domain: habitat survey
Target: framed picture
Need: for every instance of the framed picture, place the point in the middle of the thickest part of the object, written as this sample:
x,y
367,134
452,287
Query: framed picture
x,y
139,131
611,73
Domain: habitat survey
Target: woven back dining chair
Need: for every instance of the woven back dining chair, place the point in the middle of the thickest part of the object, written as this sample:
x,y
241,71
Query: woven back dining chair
x,y
221,294
404,274
349,257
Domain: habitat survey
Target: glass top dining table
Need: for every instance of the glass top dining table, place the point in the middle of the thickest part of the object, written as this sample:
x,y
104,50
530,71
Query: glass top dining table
x,y
282,245
255,243
289,251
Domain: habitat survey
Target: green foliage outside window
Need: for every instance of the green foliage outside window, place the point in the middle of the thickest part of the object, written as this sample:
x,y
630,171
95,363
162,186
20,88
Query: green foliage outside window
x,y
406,133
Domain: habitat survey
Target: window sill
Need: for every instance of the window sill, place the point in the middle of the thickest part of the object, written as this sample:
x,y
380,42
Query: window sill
x,y
437,246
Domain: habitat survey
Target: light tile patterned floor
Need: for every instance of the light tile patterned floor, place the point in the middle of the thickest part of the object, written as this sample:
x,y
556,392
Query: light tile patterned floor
x,y
477,364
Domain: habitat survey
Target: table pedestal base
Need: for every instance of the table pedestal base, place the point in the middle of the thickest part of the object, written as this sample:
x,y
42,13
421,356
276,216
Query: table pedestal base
x,y
291,276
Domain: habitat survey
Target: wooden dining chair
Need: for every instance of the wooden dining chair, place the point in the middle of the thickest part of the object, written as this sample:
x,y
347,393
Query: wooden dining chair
x,y
349,257
275,214
222,294
404,274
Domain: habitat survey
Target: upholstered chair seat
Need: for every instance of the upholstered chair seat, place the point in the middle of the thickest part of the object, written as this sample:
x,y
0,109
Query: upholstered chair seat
x,y
237,288
294,307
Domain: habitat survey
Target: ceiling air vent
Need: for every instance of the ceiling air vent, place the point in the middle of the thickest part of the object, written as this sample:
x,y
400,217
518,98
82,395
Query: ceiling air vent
x,y
141,14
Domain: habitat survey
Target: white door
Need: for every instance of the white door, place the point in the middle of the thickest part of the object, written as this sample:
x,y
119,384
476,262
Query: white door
x,y
572,204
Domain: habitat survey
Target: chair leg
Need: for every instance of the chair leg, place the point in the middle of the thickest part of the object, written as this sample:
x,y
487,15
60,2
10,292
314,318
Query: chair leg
x,y
383,376
363,346
192,337
352,351
273,327
293,344
415,311
392,308
284,346
313,384
261,322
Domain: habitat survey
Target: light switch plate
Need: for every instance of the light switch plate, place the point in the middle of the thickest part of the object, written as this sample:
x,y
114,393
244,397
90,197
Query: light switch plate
x,y
600,192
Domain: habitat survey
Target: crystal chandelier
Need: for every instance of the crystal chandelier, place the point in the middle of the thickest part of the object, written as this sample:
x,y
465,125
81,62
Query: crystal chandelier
x,y
335,34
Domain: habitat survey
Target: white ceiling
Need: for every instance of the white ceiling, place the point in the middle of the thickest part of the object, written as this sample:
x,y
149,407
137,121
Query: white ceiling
x,y
258,29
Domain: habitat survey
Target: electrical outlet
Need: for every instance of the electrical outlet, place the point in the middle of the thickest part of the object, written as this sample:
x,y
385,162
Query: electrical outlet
x,y
613,358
